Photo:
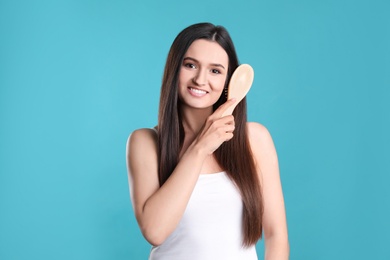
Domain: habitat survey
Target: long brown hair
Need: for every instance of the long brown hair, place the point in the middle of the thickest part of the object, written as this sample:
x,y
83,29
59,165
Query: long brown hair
x,y
234,156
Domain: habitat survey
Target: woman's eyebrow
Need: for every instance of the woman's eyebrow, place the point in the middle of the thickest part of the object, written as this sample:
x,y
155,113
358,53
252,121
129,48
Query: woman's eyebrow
x,y
212,64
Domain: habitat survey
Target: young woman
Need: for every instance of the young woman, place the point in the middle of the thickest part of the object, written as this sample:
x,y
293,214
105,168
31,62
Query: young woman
x,y
205,186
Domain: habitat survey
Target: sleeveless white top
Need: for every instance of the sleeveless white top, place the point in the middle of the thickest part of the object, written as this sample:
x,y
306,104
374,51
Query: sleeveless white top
x,y
211,227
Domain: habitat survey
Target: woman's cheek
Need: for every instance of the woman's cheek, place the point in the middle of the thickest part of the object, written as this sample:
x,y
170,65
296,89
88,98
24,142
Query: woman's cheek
x,y
221,84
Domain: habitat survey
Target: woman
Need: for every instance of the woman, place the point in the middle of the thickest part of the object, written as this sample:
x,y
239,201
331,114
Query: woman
x,y
203,185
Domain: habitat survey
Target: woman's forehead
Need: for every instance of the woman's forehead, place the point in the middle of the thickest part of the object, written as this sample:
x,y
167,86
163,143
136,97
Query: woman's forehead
x,y
208,52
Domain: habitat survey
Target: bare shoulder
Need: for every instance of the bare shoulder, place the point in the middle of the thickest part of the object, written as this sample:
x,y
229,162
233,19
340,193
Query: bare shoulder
x,y
143,137
262,147
259,135
141,149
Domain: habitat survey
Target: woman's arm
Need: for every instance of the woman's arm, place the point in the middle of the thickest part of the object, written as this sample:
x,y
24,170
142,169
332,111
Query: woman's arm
x,y
274,217
158,210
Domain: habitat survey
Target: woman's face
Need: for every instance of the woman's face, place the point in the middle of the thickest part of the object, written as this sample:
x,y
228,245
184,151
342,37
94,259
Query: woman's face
x,y
202,74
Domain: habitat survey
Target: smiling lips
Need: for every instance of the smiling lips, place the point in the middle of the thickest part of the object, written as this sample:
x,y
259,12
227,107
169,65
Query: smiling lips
x,y
197,92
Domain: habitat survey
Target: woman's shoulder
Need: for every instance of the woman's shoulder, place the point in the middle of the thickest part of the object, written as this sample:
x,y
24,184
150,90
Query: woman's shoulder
x,y
263,148
260,139
257,131
144,132
142,138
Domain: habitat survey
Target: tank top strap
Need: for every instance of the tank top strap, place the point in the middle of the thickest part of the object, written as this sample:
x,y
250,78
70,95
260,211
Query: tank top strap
x,y
155,130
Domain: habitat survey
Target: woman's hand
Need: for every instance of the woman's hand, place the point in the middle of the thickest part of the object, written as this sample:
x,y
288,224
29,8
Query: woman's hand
x,y
216,130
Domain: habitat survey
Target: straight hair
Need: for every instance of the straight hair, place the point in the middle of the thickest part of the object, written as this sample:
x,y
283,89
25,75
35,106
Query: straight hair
x,y
234,156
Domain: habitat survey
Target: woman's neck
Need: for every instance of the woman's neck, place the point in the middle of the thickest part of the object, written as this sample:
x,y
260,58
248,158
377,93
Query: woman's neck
x,y
193,119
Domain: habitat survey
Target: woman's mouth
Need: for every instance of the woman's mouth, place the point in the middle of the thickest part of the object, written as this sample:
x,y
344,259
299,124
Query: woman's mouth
x,y
197,92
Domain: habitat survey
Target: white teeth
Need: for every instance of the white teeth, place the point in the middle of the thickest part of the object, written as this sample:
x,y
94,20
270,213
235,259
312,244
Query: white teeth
x,y
198,91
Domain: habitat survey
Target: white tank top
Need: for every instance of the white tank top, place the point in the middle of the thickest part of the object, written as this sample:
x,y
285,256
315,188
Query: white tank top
x,y
211,227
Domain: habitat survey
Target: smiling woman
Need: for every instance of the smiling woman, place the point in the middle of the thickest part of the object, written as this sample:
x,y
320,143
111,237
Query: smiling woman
x,y
203,185
202,75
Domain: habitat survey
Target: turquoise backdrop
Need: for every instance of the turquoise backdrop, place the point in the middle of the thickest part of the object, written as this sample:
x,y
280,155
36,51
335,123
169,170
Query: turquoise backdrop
x,y
77,77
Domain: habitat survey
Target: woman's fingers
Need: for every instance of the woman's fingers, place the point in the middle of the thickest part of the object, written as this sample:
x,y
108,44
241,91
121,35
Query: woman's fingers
x,y
217,129
229,128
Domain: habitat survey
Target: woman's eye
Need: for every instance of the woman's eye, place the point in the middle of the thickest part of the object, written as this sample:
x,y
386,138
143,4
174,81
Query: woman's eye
x,y
215,71
190,65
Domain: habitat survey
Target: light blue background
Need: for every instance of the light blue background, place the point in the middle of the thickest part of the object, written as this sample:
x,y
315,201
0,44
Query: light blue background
x,y
76,77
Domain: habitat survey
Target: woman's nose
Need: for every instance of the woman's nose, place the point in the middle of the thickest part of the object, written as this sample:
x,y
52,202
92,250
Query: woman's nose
x,y
200,78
